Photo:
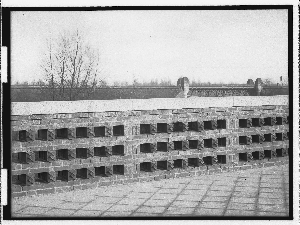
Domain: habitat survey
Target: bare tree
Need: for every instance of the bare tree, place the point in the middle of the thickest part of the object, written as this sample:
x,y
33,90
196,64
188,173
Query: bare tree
x,y
71,67
268,82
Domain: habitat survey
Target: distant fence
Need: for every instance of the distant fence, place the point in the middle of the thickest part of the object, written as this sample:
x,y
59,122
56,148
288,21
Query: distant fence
x,y
21,93
34,94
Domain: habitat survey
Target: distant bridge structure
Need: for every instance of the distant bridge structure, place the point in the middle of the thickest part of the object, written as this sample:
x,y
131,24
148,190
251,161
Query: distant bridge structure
x,y
256,89
34,93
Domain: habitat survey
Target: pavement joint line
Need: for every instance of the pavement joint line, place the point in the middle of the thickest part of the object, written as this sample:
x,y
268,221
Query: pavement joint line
x,y
167,207
81,207
116,203
230,196
35,214
284,193
257,195
86,205
22,208
134,211
203,197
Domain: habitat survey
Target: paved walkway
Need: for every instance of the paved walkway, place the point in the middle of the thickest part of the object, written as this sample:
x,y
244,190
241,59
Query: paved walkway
x,y
254,192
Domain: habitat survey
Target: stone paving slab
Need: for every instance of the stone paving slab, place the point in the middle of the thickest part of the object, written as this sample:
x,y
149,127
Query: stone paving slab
x,y
254,192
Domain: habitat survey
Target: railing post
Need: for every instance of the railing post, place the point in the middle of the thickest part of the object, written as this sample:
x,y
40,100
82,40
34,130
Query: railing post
x,y
184,85
258,86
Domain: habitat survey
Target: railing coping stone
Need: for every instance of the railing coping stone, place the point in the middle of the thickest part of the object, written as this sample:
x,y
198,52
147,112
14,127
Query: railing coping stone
x,y
52,107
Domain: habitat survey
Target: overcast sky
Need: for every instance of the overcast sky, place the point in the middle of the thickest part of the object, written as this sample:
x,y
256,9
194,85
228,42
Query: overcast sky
x,y
209,45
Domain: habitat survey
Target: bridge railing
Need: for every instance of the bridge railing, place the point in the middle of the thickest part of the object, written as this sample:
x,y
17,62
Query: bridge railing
x,y
35,93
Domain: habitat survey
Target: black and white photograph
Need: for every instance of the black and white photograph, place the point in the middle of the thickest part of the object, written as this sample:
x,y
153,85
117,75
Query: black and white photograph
x,y
151,113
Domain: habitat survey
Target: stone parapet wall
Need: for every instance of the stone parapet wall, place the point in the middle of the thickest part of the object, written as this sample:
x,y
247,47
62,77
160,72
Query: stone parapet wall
x,y
64,149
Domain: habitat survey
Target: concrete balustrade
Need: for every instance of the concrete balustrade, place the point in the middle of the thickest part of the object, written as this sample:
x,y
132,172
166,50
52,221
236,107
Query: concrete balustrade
x,y
61,146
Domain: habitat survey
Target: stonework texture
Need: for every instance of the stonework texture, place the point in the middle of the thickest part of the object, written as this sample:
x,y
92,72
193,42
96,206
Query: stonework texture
x,y
71,150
